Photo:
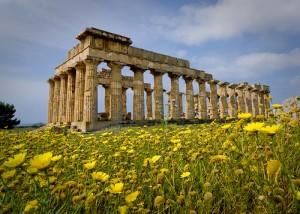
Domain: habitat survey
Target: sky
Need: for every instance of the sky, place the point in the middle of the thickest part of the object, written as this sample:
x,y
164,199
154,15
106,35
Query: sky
x,y
255,41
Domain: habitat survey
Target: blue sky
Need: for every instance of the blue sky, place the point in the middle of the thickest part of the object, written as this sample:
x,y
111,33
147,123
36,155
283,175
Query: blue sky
x,y
235,40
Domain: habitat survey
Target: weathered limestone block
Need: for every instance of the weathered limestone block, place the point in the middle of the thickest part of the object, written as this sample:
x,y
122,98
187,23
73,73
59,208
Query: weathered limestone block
x,y
107,100
254,97
232,102
149,103
223,99
214,99
189,96
248,101
62,98
202,105
90,103
180,104
174,96
116,91
138,94
56,99
70,96
50,100
79,91
158,96
124,104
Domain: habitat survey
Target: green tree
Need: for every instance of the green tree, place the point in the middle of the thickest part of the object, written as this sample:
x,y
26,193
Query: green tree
x,y
7,113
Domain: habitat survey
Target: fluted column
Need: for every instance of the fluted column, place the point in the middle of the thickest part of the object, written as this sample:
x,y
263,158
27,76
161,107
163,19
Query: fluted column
x,y
158,96
56,99
241,99
124,103
261,103
116,91
79,91
223,99
180,104
196,111
169,103
107,100
202,104
149,103
90,103
189,98
174,96
214,99
254,98
232,103
267,100
50,100
138,94
248,102
70,96
62,98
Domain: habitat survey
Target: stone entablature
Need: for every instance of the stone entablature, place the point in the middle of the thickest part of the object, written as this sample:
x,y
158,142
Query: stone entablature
x,y
73,91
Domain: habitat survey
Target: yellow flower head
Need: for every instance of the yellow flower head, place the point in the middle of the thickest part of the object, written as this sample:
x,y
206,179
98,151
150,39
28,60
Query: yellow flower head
x,y
185,174
159,200
15,161
155,158
253,127
218,158
116,188
41,161
90,165
132,196
270,130
100,176
122,209
8,174
244,115
56,158
31,205
226,126
277,106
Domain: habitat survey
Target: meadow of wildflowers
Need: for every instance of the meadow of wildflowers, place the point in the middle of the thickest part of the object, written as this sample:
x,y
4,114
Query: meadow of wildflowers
x,y
243,166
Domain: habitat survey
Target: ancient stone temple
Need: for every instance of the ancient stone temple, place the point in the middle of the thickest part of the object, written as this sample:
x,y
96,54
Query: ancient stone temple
x,y
73,94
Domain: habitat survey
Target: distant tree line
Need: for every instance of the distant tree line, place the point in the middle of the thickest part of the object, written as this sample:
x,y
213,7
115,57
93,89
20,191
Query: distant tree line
x,y
7,114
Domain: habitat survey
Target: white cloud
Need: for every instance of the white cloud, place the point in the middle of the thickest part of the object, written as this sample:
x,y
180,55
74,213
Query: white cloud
x,y
252,65
230,18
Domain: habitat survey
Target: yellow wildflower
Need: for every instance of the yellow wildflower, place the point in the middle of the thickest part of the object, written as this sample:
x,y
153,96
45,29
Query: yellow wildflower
x,y
116,188
41,161
273,167
100,176
32,170
277,106
90,165
159,200
298,195
270,130
185,174
218,158
8,174
244,115
155,158
122,209
31,205
226,126
56,158
132,196
253,127
15,161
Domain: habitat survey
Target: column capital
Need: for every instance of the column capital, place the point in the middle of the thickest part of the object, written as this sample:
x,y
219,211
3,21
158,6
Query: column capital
x,y
188,78
232,85
115,65
223,84
173,75
200,81
50,80
80,65
156,72
213,81
91,61
135,68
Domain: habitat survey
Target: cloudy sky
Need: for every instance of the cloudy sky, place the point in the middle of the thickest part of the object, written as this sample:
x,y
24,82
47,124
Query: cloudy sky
x,y
235,40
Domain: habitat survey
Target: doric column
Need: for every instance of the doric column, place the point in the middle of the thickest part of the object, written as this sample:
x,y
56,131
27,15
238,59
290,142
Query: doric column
x,y
202,104
79,91
90,103
70,96
180,104
261,103
232,103
158,96
50,100
169,103
107,100
214,99
189,98
149,103
254,98
248,101
174,96
62,98
138,94
266,99
56,99
196,96
223,99
241,99
116,91
124,103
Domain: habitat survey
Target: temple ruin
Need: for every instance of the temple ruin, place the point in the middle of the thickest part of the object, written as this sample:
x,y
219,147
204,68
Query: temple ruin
x,y
73,94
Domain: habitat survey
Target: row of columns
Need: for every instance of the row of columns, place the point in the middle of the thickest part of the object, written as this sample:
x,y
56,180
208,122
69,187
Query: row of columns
x,y
73,96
